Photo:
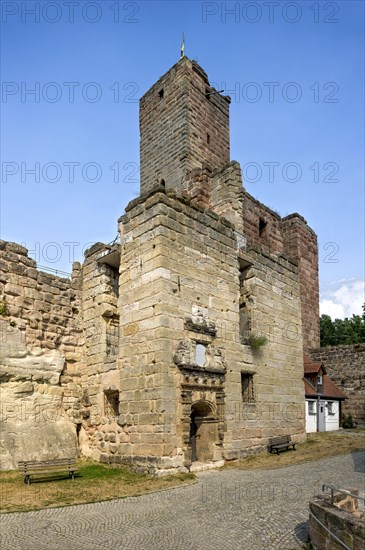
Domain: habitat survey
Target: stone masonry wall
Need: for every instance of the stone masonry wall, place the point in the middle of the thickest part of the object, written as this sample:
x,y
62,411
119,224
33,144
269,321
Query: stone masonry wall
x,y
100,432
40,360
177,259
271,300
182,128
294,238
227,195
300,244
346,367
180,263
261,225
344,519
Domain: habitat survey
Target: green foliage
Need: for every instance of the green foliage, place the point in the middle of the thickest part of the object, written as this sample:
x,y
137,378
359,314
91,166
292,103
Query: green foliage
x,y
348,422
3,309
342,331
122,474
256,342
100,471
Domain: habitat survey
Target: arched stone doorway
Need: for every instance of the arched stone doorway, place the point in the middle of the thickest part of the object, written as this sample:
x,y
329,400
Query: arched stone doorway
x,y
203,431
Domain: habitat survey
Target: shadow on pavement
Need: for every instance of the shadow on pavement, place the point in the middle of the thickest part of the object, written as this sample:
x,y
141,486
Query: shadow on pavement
x,y
301,532
358,458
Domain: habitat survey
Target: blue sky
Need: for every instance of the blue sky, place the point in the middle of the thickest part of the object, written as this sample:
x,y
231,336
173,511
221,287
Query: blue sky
x,y
294,71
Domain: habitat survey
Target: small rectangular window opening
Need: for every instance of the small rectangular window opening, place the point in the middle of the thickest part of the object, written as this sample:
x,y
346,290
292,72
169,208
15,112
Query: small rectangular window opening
x,y
161,93
111,403
311,407
208,138
200,354
247,387
262,226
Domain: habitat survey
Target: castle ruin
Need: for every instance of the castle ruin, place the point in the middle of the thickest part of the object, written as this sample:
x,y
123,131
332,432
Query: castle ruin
x,y
182,344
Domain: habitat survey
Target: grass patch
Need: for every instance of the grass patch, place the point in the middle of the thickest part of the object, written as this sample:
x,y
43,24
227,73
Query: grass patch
x,y
95,483
317,446
3,308
99,482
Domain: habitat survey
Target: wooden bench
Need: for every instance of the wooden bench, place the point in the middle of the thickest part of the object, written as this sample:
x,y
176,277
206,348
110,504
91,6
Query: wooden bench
x,y
58,465
280,443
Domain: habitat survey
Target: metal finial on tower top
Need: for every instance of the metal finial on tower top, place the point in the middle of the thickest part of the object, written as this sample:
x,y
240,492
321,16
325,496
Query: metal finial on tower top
x,y
182,51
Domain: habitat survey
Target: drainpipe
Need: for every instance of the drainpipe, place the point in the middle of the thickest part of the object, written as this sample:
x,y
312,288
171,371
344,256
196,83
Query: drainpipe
x,y
318,398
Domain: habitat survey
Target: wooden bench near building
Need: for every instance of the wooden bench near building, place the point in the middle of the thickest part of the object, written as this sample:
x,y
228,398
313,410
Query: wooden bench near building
x,y
280,443
45,467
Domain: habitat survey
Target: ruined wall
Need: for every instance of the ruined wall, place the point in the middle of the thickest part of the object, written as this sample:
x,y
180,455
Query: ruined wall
x,y
294,238
344,519
261,225
346,367
136,343
270,301
182,127
41,359
184,131
180,287
177,260
100,432
227,196
300,244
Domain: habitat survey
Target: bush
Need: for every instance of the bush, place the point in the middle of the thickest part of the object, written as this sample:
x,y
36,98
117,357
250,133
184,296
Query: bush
x,y
348,422
256,342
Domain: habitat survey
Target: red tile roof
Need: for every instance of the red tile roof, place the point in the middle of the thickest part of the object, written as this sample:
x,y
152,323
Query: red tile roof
x,y
310,366
329,389
309,391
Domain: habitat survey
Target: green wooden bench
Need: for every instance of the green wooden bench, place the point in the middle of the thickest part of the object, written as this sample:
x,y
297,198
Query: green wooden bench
x,y
280,443
44,467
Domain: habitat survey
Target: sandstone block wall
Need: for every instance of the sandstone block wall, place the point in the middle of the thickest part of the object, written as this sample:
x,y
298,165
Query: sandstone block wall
x,y
100,433
270,303
177,259
147,377
300,244
346,367
179,287
184,131
41,359
294,238
261,225
343,519
183,126
226,196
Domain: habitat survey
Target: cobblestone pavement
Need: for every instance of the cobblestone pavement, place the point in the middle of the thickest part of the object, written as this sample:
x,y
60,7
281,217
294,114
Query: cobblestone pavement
x,y
225,510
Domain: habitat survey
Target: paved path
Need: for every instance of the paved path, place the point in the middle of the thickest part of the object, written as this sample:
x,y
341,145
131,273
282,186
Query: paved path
x,y
227,510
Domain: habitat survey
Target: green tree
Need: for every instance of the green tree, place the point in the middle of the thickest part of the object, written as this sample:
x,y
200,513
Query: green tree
x,y
342,331
327,330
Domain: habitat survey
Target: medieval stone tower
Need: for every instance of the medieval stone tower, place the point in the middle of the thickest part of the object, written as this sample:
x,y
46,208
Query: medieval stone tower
x,y
184,125
184,343
193,296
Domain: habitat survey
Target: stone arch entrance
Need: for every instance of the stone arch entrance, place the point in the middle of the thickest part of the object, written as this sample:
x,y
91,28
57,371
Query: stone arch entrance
x,y
203,431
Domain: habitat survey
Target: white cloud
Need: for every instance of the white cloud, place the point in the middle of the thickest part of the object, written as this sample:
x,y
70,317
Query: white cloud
x,y
335,311
343,298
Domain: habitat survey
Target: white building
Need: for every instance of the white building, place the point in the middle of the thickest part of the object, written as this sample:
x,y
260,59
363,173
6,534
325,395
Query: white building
x,y
323,399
